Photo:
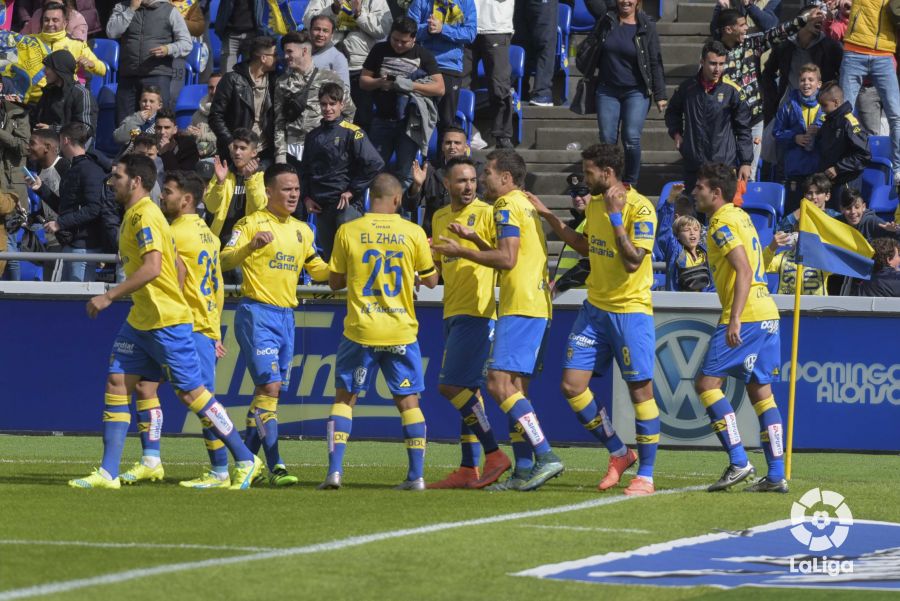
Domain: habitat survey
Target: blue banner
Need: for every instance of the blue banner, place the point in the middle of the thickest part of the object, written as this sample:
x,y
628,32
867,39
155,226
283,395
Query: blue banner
x,y
848,396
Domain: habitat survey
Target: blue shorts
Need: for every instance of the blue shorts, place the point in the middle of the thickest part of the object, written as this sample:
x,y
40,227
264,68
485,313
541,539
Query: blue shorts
x,y
265,334
467,344
597,336
401,365
757,358
153,354
518,344
206,354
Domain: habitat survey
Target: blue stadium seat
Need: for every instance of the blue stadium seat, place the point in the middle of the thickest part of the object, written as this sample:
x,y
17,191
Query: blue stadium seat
x,y
108,52
664,193
465,111
215,48
764,219
582,20
563,33
517,74
772,282
297,8
106,121
192,65
769,193
213,12
883,201
659,281
880,148
188,103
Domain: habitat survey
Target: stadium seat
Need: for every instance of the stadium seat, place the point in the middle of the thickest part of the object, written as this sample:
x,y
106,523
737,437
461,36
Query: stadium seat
x,y
106,121
883,202
563,33
769,193
664,193
297,8
517,74
772,282
582,20
215,48
108,52
764,219
213,12
193,65
880,148
188,103
465,111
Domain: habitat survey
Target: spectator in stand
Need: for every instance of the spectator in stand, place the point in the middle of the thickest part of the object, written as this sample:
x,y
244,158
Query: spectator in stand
x,y
76,24
760,14
8,207
535,25
325,54
401,71
245,98
854,212
796,124
784,264
177,150
14,134
151,34
838,19
685,256
869,46
143,121
45,161
297,111
78,225
427,188
148,145
53,34
237,190
842,144
817,190
445,27
340,164
199,127
709,120
630,74
360,25
885,280
491,47
743,60
781,74
64,100
239,21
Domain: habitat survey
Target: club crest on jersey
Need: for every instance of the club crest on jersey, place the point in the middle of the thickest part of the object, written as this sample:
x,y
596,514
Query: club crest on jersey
x,y
502,217
643,230
471,220
722,236
299,237
144,237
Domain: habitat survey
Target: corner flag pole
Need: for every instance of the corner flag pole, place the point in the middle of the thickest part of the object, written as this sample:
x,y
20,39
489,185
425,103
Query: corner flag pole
x,y
795,343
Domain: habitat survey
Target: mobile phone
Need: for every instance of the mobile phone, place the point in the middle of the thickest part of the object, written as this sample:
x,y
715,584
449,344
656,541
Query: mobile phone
x,y
28,174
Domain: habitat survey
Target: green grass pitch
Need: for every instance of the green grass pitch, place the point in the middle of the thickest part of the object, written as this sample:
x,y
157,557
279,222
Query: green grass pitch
x,y
154,525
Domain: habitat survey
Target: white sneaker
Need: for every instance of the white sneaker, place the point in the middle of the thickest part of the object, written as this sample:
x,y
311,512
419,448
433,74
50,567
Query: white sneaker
x,y
477,142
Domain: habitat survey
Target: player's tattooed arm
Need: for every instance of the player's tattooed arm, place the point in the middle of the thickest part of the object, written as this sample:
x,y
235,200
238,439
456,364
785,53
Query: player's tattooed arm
x,y
630,255
578,242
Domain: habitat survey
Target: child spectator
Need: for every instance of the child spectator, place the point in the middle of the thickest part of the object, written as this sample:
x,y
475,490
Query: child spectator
x,y
796,124
785,265
141,122
855,212
687,264
817,190
842,144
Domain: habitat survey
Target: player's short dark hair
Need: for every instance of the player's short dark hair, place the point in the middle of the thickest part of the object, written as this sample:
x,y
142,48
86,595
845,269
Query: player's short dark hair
x,y
456,161
295,37
146,141
405,25
138,165
259,45
452,129
246,135
606,156
332,90
323,16
721,176
385,185
188,182
215,74
884,252
166,113
820,181
55,6
510,161
850,197
728,17
152,89
47,134
77,133
276,169
713,47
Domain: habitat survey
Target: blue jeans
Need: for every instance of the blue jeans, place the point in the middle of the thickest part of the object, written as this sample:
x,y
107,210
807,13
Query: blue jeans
x,y
628,106
854,67
13,270
79,271
388,137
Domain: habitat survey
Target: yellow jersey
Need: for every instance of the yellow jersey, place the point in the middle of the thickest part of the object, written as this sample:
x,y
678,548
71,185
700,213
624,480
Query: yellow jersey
x,y
610,287
203,289
468,286
380,255
271,273
524,289
729,228
160,303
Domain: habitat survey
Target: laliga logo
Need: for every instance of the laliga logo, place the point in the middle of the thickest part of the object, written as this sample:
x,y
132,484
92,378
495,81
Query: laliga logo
x,y
809,530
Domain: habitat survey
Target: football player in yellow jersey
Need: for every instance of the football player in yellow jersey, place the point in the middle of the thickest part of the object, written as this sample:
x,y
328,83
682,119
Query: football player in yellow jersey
x,y
469,314
198,250
746,343
521,258
616,320
377,258
272,249
156,337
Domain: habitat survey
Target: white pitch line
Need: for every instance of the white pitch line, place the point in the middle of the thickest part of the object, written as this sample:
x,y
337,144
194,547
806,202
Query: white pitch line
x,y
335,545
587,529
80,543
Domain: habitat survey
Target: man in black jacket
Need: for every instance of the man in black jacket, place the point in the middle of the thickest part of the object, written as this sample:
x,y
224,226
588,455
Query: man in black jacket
x,y
245,98
79,226
709,119
842,143
64,99
339,164
886,272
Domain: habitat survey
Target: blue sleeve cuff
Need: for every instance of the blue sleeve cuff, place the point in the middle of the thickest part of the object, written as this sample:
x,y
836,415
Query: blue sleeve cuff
x,y
508,231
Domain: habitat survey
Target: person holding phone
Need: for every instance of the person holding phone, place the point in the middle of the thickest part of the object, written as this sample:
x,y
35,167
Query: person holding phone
x,y
14,134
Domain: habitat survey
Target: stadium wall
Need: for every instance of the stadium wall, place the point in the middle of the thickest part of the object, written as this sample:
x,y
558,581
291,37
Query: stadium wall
x,y
52,372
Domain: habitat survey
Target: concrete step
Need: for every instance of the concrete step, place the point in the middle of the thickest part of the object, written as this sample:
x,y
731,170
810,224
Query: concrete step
x,y
695,12
652,138
653,177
